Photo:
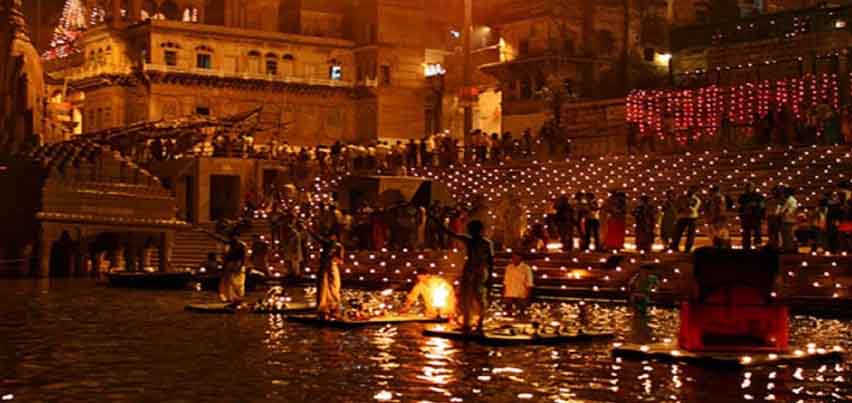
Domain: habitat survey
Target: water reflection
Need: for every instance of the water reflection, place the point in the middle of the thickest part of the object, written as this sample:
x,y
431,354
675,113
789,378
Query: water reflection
x,y
74,342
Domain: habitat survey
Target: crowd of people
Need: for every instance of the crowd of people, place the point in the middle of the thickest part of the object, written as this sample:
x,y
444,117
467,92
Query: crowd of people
x,y
588,222
397,158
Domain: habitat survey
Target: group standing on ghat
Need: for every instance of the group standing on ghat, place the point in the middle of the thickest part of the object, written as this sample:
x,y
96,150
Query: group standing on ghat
x,y
583,222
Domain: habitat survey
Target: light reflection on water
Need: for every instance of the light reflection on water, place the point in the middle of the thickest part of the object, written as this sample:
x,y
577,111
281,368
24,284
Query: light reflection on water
x,y
72,341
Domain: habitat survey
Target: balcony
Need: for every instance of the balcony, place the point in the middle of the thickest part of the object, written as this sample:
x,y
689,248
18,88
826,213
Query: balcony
x,y
289,79
786,25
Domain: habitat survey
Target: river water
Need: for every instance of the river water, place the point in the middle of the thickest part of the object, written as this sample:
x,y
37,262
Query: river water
x,y
75,341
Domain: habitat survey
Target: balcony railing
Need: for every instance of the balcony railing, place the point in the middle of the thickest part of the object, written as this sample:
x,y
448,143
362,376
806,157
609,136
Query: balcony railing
x,y
325,82
786,25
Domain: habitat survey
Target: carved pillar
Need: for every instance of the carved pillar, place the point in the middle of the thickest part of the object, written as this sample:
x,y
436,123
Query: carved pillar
x,y
165,249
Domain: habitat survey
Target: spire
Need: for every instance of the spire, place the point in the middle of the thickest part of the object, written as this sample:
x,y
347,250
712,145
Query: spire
x,y
14,19
72,24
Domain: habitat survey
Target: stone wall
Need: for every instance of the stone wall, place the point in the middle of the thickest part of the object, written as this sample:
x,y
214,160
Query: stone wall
x,y
596,127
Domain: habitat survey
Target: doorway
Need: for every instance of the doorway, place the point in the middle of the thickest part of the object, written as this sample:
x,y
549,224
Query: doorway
x,y
224,196
189,198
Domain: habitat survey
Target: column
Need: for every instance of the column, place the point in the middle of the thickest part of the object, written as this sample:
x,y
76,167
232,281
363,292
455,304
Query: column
x,y
45,248
135,12
115,12
165,249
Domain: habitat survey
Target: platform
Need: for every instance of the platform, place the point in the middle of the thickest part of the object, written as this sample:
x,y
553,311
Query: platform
x,y
671,353
353,324
515,335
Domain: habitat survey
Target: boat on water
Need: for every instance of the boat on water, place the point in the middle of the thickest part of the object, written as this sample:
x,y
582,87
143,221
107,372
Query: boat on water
x,y
151,280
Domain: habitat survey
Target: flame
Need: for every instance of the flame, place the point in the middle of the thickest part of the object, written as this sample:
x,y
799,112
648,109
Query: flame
x,y
439,296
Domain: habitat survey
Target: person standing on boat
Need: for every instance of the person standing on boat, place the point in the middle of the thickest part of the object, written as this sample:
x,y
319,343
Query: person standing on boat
x,y
476,275
518,284
328,278
232,286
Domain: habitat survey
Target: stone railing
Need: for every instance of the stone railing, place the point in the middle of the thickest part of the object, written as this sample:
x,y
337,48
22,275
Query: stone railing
x,y
786,25
325,82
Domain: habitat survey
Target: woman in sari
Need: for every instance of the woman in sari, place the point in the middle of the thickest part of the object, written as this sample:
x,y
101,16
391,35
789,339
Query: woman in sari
x,y
616,207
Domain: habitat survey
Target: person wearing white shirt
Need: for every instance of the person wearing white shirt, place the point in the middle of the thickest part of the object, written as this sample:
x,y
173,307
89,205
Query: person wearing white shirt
x,y
788,212
517,284
688,212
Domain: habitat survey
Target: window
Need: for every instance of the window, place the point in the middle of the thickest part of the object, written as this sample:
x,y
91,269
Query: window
x,y
385,72
171,58
202,110
335,72
287,68
434,69
271,67
204,61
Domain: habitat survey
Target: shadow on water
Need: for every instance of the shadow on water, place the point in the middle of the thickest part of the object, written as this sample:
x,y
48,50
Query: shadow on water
x,y
74,341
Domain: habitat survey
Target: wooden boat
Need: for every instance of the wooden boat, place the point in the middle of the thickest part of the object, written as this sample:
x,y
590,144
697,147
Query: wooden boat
x,y
514,335
313,319
151,281
222,308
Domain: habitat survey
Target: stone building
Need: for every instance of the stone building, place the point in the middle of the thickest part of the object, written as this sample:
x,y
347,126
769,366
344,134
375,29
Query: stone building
x,y
73,204
584,50
322,70
771,43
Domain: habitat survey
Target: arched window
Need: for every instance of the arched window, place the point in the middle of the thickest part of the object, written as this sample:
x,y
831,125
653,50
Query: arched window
x,y
204,57
288,65
254,62
170,53
271,64
335,70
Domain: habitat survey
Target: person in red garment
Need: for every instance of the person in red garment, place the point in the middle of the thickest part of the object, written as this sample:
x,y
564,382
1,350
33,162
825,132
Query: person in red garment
x,y
616,208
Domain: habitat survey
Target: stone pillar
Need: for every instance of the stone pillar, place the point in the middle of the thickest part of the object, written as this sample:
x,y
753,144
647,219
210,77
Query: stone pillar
x,y
115,12
135,12
165,249
45,248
